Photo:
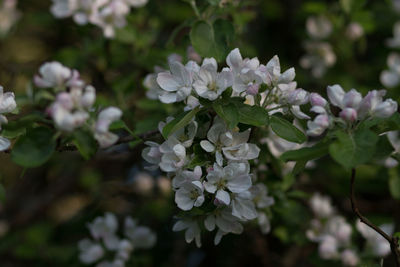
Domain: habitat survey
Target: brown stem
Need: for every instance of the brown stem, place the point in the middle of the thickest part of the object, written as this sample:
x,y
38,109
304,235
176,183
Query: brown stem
x,y
393,241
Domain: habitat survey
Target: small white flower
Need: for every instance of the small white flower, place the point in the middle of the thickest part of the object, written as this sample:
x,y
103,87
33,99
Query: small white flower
x,y
173,156
190,194
210,84
328,248
260,196
141,236
321,206
104,120
272,73
53,74
7,102
373,105
192,230
152,154
318,125
243,206
319,27
187,177
105,228
90,252
234,177
225,221
177,83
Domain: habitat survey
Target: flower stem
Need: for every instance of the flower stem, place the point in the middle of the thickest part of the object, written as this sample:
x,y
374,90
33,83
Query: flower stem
x,y
393,241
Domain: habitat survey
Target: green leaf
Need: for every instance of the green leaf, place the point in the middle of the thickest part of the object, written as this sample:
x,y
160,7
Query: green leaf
x,y
85,143
34,148
352,150
18,127
179,122
212,40
286,130
252,115
394,183
229,113
306,153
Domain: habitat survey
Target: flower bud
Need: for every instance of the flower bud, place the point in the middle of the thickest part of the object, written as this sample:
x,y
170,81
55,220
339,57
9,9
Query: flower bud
x,y
252,89
7,101
352,99
348,114
385,109
298,97
318,125
335,95
64,99
317,100
88,97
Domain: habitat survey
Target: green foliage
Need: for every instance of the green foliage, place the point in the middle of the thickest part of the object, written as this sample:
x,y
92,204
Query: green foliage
x,y
34,148
85,143
286,130
212,40
350,150
179,122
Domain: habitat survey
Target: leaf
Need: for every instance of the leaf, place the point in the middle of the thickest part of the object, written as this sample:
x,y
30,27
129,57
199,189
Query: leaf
x,y
34,148
228,113
212,40
306,153
85,143
352,150
252,115
394,183
179,122
287,130
18,127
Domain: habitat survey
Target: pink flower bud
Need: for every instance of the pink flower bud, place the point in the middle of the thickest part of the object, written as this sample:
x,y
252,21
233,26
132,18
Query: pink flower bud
x,y
317,100
253,89
298,97
65,100
348,114
352,99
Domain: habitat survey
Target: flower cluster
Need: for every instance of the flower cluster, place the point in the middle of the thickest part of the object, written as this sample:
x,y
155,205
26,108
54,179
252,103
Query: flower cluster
x,y
247,77
333,234
106,240
74,102
9,15
354,108
7,105
320,54
106,14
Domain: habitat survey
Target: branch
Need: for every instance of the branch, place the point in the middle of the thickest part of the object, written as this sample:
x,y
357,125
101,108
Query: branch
x,y
393,241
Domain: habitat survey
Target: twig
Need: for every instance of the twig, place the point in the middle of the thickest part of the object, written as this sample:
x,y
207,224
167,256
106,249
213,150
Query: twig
x,y
393,241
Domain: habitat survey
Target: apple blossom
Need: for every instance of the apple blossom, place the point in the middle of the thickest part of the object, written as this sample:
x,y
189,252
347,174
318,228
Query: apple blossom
x,y
192,230
104,120
189,195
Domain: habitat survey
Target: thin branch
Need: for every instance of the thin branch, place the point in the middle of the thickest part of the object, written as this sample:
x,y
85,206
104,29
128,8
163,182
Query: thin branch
x,y
393,241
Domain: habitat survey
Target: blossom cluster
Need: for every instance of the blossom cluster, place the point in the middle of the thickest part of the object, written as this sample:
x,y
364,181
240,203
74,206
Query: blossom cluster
x,y
106,14
7,105
9,15
74,102
353,106
333,234
105,240
319,53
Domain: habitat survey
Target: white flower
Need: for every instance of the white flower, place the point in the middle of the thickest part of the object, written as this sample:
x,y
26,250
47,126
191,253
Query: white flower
x,y
232,144
152,154
104,120
190,194
7,102
153,89
124,250
243,206
395,41
141,236
319,56
319,27
109,15
245,71
350,258
225,221
187,177
53,74
260,196
328,248
173,156
9,15
318,125
354,31
66,119
4,143
337,227
379,246
272,75
105,228
90,251
210,84
321,206
177,83
235,177
192,230
373,105
391,78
